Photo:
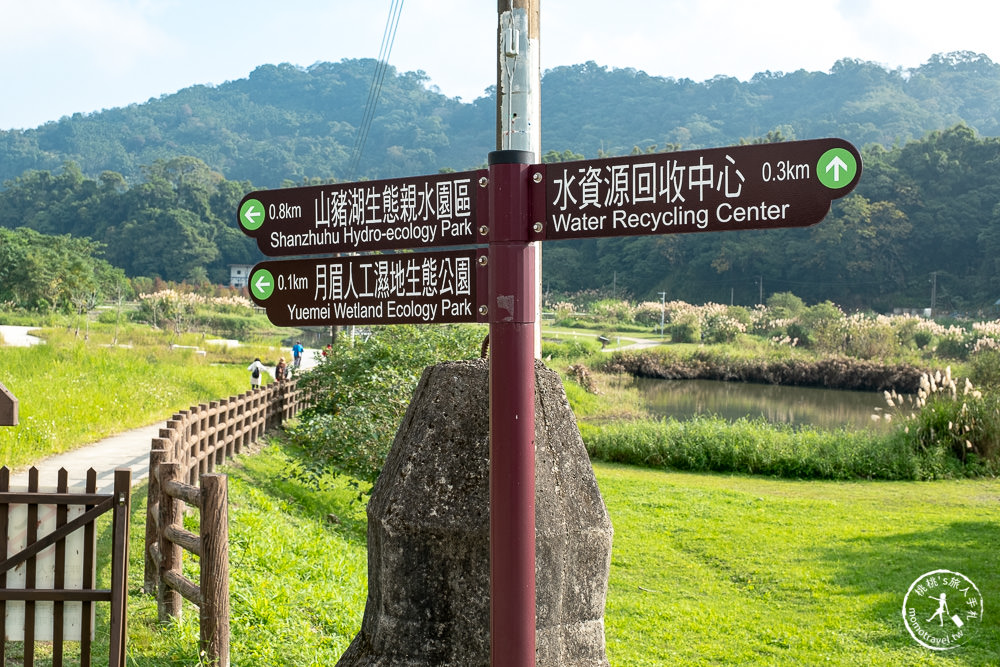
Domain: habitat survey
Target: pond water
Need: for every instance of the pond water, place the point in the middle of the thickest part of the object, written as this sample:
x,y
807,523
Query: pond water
x,y
798,406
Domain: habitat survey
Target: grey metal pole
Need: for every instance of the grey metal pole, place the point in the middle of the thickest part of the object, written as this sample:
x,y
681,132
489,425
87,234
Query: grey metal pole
x,y
515,338
519,100
663,309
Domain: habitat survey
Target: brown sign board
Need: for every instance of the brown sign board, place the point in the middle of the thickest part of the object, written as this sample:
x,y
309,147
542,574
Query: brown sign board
x,y
759,186
420,212
8,407
402,288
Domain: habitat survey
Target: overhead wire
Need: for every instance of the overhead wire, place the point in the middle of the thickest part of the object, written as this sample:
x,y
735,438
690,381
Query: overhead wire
x,y
375,89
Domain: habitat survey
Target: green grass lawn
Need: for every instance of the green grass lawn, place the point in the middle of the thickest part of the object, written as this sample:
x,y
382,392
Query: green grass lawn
x,y
297,564
713,569
706,569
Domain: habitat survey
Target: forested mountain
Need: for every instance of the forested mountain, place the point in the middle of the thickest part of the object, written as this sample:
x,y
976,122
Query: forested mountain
x,y
158,183
289,123
282,123
589,108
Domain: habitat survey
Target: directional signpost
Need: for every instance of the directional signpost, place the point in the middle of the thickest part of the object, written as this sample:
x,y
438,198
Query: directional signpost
x,y
409,288
422,212
760,186
510,205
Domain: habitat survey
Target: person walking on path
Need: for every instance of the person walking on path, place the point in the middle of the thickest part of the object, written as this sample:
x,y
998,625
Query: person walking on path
x,y
297,351
256,371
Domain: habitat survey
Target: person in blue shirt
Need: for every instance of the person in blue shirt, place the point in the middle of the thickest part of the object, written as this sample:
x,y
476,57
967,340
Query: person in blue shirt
x,y
297,351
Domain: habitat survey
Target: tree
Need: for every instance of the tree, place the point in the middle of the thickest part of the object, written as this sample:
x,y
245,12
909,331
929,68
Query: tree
x,y
785,305
39,271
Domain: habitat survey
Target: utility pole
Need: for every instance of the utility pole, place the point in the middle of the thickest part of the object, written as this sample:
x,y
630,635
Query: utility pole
x,y
663,311
933,291
514,305
519,99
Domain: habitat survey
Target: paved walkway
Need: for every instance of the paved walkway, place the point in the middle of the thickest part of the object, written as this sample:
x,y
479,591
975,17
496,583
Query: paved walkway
x,y
125,450
18,336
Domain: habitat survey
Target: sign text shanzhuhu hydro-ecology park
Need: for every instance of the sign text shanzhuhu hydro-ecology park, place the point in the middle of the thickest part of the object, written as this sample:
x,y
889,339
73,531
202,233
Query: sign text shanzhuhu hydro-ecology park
x,y
760,186
422,212
403,288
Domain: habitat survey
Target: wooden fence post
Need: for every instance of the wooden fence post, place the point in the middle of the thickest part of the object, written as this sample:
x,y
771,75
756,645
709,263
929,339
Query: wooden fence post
x,y
214,441
229,434
168,601
196,445
194,441
119,566
240,420
214,581
259,414
232,425
154,496
170,434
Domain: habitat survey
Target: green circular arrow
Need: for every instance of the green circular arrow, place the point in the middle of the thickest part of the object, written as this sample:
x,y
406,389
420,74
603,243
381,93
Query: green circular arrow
x,y
252,215
262,284
836,168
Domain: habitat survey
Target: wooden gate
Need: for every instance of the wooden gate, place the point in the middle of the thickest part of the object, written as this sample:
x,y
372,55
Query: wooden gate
x,y
47,581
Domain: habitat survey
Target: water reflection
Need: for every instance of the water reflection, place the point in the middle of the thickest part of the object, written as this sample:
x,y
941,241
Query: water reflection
x,y
822,408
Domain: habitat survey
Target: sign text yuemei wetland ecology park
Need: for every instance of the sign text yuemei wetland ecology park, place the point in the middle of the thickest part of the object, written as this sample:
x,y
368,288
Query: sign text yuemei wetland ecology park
x,y
404,288
759,186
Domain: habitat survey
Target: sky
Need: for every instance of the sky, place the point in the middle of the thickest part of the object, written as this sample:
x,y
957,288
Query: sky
x,y
60,57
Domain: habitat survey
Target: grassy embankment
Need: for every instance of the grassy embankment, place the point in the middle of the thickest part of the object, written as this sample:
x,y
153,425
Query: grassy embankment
x,y
706,569
72,391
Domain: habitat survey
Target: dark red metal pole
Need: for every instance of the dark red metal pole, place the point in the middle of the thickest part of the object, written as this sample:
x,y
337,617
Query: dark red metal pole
x,y
512,413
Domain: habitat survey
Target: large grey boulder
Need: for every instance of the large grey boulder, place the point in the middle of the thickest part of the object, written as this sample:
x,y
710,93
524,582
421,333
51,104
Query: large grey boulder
x,y
428,533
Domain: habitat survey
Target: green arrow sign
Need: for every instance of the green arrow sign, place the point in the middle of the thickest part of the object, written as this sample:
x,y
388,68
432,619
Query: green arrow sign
x,y
836,168
262,284
252,214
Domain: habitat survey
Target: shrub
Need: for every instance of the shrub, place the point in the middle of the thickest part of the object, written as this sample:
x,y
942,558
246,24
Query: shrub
x,y
963,423
741,315
868,337
984,368
649,313
922,339
362,392
785,305
953,347
722,328
906,328
685,329
582,375
563,310
226,325
612,311
570,348
819,325
800,334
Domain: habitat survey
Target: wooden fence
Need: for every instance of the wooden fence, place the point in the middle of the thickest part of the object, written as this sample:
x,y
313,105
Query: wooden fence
x,y
47,586
181,465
